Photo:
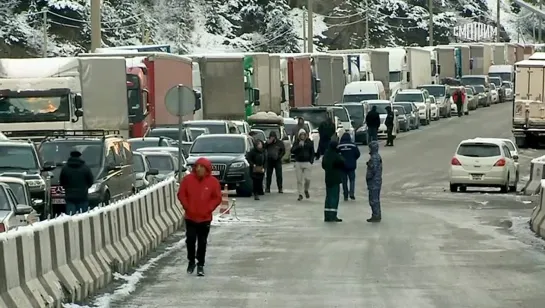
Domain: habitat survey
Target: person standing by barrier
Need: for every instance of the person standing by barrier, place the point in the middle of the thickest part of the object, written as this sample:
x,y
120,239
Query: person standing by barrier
x,y
374,181
350,152
303,152
372,120
200,195
275,152
257,158
333,164
389,122
326,130
76,178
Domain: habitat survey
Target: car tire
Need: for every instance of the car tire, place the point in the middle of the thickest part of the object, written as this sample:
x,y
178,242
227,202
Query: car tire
x,y
453,188
505,187
513,188
106,200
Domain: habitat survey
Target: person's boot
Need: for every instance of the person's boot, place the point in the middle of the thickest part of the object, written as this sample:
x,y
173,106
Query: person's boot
x,y
280,191
300,198
256,197
337,219
190,267
374,219
268,190
353,198
307,195
200,270
345,198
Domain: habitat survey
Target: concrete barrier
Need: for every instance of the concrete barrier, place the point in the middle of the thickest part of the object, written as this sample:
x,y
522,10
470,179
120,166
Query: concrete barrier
x,y
537,221
533,186
72,257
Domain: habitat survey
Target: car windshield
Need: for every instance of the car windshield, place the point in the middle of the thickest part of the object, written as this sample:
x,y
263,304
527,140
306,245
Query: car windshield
x,y
437,91
19,192
356,113
172,133
259,135
469,80
196,133
59,151
479,150
409,97
496,81
504,76
138,163
381,108
400,110
144,143
314,116
223,144
479,89
341,114
356,98
268,130
4,203
219,128
162,163
469,91
507,84
17,157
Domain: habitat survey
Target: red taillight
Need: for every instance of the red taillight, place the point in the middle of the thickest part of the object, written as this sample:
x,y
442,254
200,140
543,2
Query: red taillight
x,y
500,163
2,228
455,162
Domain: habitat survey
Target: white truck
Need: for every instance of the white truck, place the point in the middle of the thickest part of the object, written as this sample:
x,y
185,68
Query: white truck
x,y
397,63
63,94
418,67
529,106
435,66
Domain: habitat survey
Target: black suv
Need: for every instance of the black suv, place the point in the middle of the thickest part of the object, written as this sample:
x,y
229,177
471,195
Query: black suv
x,y
20,159
106,153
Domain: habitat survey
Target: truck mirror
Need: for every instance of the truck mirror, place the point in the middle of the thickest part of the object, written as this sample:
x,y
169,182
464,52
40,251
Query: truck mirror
x,y
318,85
471,63
408,76
78,113
256,96
439,69
291,90
198,101
78,102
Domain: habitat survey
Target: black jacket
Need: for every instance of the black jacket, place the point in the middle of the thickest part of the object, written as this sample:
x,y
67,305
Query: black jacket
x,y
275,150
76,179
389,122
333,164
257,158
326,130
303,153
372,119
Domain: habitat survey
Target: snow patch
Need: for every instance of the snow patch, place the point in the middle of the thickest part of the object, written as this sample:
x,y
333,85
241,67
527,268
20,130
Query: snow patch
x,y
219,220
520,228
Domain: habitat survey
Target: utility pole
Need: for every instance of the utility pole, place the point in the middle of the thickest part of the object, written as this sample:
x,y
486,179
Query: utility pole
x,y
304,30
540,25
96,29
430,10
44,47
310,32
498,21
366,24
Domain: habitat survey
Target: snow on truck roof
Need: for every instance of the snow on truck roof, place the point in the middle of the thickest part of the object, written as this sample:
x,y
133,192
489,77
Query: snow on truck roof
x,y
37,67
536,63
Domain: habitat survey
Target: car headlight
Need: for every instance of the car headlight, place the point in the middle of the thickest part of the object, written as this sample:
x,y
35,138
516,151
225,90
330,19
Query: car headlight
x,y
362,128
39,183
93,189
239,164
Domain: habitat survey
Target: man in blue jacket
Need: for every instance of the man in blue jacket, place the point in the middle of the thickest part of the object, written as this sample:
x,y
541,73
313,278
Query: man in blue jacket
x,y
374,181
350,153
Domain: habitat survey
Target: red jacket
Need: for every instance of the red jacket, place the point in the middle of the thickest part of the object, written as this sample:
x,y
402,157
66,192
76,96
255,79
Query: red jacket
x,y
200,197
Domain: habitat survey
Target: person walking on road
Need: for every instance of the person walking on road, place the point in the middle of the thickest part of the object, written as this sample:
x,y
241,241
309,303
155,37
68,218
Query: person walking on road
x,y
295,131
374,181
326,130
333,164
76,178
350,152
303,152
389,122
275,152
372,119
200,195
257,159
458,98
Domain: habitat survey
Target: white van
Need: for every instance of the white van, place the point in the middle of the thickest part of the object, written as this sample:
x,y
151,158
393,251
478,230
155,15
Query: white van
x,y
358,91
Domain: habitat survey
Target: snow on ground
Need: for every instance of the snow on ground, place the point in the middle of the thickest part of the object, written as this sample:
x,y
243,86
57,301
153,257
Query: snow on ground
x,y
508,20
320,26
520,228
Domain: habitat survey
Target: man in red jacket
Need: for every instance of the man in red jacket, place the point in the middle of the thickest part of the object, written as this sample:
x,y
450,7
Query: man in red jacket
x,y
200,195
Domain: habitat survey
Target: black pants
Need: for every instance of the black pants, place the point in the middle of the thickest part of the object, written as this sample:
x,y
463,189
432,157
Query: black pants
x,y
196,232
257,181
390,136
276,166
459,108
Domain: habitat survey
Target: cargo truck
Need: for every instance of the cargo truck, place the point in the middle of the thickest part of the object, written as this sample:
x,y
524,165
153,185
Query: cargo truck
x,y
519,52
446,58
276,97
63,94
511,54
481,58
499,53
418,67
435,66
398,71
258,82
361,59
329,69
301,88
529,105
463,56
351,65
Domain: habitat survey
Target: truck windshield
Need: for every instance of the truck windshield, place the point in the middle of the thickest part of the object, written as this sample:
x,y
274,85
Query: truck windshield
x,y
469,81
356,98
134,99
58,152
395,76
496,81
314,116
35,108
437,91
503,76
220,144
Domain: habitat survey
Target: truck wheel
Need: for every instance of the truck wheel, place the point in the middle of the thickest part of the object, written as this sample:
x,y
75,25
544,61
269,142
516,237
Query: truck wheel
x,y
521,142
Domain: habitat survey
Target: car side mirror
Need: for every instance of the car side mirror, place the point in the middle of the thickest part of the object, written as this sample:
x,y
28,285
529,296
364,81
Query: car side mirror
x,y
48,166
256,94
23,209
152,172
318,85
396,112
291,91
78,103
516,158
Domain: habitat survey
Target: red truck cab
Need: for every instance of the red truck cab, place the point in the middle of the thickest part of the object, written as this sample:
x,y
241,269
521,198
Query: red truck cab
x,y
140,118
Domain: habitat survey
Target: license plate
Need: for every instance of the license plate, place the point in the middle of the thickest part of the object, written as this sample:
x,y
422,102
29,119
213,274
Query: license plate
x,y
477,176
215,172
58,201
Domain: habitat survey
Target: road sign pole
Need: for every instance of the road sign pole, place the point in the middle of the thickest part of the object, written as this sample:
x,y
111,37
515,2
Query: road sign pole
x,y
180,130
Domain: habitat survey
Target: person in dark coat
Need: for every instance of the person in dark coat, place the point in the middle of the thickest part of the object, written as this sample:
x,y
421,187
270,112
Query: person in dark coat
x,y
333,164
76,178
326,130
389,122
374,181
257,159
372,120
350,152
275,152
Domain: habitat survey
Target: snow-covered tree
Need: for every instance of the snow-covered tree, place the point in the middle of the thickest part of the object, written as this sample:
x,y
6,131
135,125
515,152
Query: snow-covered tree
x,y
278,31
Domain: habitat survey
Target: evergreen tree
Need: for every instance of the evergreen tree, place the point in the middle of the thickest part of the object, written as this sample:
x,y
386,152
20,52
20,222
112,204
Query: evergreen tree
x,y
278,32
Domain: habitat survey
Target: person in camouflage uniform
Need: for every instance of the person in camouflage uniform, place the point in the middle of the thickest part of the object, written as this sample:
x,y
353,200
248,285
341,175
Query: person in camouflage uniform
x,y
374,181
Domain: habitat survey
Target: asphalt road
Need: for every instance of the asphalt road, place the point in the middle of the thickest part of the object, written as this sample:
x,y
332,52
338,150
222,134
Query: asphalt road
x,y
433,248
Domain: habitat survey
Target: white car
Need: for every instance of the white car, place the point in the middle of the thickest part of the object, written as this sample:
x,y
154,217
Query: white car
x,y
418,97
513,149
494,94
434,109
509,95
483,163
